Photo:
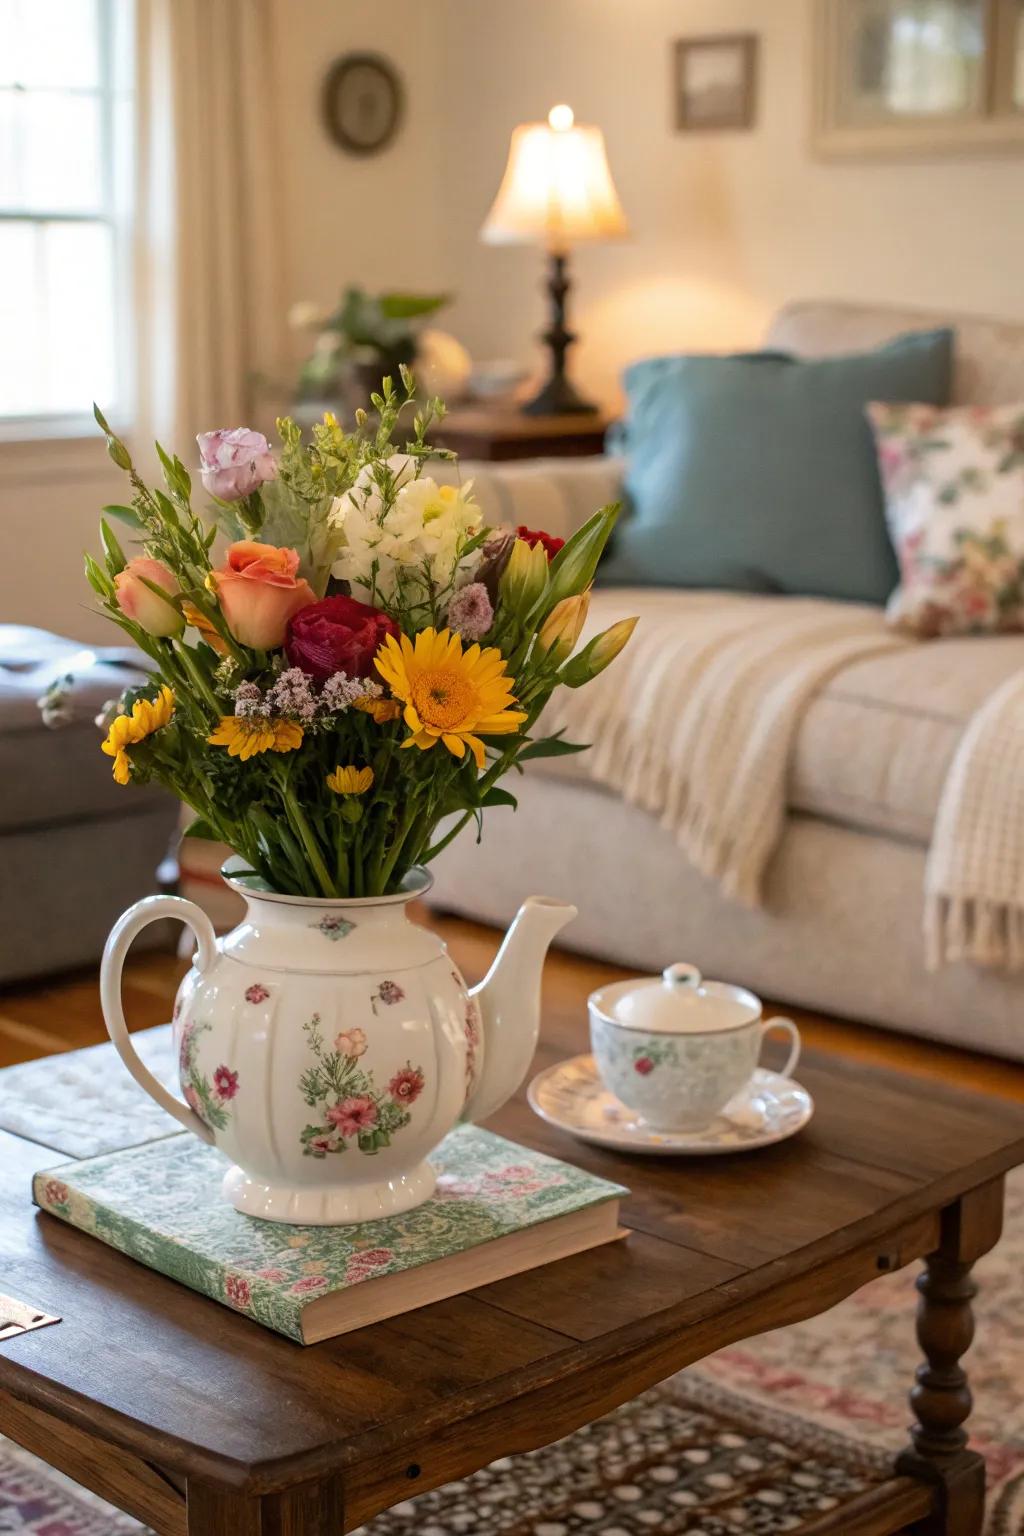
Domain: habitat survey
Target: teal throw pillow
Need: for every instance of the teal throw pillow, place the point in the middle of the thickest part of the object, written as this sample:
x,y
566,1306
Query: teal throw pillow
x,y
758,472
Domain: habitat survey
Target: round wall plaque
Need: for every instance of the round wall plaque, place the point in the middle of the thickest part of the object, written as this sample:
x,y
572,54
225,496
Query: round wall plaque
x,y
362,103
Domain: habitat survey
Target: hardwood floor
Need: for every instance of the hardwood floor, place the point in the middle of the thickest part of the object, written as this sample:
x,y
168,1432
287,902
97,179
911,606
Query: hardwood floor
x,y
64,1013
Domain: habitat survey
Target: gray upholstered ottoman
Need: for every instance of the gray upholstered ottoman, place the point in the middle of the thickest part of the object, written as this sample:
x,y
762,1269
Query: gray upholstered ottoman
x,y
75,848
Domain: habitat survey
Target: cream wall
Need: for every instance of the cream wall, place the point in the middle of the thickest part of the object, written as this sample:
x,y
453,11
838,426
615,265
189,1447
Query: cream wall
x,y
725,226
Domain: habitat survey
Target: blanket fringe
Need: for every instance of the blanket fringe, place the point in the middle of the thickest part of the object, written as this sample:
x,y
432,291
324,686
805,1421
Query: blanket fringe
x,y
971,929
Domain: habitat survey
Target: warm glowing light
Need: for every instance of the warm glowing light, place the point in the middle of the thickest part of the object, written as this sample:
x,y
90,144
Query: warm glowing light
x,y
557,188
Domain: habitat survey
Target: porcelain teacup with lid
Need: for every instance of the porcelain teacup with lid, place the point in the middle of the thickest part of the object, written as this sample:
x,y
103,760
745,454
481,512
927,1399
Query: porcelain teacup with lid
x,y
676,1048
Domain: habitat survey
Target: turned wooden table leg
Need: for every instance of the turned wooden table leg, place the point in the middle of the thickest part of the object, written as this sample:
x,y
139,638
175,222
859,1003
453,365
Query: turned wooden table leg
x,y
941,1396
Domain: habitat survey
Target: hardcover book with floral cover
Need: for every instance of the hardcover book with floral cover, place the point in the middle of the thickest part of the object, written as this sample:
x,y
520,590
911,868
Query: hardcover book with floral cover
x,y
498,1209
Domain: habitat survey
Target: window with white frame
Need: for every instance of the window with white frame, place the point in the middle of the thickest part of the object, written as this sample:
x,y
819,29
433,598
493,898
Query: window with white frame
x,y
64,139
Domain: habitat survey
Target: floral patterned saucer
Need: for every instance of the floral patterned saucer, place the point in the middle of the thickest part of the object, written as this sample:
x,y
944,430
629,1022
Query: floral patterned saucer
x,y
572,1096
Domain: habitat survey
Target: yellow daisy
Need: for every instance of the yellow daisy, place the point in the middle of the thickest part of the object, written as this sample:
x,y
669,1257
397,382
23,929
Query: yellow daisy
x,y
350,780
449,694
147,716
246,738
382,710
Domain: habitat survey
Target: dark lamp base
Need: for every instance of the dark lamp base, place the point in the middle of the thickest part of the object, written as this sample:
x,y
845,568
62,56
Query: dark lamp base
x,y
558,397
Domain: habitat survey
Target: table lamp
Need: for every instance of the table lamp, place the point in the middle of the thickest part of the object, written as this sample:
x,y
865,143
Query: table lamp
x,y
557,190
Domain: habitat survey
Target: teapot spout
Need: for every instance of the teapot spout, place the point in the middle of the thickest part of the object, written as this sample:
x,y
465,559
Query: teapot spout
x,y
509,1002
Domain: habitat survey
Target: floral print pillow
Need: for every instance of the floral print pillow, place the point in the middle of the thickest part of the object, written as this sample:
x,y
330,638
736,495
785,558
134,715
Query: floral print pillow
x,y
954,493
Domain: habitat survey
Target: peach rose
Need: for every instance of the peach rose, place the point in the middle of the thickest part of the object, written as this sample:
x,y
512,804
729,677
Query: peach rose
x,y
259,592
136,600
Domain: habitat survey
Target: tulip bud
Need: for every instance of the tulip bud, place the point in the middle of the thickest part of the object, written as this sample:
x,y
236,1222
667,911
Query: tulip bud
x,y
572,569
139,587
561,629
600,653
524,578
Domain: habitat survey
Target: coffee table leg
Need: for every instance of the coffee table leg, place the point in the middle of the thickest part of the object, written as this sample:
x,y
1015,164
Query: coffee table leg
x,y
941,1397
312,1509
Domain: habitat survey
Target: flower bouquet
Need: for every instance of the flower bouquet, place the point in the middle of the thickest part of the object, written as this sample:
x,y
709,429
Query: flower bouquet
x,y
366,661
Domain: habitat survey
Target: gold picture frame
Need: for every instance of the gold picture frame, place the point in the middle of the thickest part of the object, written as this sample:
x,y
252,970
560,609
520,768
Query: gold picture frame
x,y
899,78
715,82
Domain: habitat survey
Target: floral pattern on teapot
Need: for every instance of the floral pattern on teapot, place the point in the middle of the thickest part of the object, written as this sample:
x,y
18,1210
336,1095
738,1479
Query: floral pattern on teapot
x,y
208,1099
351,1109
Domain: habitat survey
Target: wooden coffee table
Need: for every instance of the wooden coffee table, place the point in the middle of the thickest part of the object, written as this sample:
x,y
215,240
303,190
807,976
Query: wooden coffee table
x,y
197,1420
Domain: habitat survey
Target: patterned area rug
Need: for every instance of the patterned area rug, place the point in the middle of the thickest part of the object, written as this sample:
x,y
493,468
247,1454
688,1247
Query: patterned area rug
x,y
757,1441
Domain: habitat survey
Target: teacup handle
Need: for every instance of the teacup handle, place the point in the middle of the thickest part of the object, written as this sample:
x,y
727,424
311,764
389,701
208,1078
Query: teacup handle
x,y
793,1033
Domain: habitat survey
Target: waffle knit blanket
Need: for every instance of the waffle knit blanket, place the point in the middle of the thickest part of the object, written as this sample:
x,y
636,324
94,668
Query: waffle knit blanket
x,y
974,880
696,720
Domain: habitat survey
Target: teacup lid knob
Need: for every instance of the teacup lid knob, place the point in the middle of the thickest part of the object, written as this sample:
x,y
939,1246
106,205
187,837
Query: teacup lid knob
x,y
681,975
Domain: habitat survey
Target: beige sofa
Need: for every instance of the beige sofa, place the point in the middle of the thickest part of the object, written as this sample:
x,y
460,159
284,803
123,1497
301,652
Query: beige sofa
x,y
841,928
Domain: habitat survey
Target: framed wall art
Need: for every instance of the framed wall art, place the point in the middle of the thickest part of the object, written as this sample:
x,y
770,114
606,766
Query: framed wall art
x,y
715,82
363,102
897,77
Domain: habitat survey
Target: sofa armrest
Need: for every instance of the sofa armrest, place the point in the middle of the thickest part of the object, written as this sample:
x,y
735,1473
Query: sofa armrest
x,y
557,495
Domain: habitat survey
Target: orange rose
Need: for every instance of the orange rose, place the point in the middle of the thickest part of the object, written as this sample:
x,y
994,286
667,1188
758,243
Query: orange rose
x,y
259,592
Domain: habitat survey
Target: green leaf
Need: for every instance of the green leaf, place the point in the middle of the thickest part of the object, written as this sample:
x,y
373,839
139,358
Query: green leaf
x,y
410,306
201,828
551,746
98,579
124,515
116,561
496,796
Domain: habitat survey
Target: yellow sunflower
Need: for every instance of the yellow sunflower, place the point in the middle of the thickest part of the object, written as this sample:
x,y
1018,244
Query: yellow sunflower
x,y
147,716
246,738
449,694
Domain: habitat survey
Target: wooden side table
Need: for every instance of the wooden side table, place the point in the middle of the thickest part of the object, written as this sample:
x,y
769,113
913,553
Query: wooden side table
x,y
496,433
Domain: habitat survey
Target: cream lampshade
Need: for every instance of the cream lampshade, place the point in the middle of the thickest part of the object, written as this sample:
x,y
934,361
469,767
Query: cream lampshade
x,y
557,190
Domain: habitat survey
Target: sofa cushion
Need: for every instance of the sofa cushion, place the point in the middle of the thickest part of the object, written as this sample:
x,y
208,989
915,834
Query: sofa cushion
x,y
51,775
758,472
875,744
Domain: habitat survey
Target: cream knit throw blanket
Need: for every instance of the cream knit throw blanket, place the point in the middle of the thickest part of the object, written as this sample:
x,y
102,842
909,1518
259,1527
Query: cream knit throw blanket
x,y
695,721
974,879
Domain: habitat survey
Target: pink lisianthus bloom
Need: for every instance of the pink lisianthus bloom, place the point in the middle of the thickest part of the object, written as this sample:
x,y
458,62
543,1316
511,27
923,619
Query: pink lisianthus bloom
x,y
234,463
259,592
137,601
353,1115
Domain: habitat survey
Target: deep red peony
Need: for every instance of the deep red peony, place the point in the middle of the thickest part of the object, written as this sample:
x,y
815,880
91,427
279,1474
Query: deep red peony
x,y
533,536
337,634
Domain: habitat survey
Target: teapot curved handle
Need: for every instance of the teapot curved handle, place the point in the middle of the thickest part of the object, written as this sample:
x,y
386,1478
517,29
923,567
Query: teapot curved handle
x,y
149,910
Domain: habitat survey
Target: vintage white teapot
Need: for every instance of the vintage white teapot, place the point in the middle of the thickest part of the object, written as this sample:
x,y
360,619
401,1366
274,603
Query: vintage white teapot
x,y
327,1047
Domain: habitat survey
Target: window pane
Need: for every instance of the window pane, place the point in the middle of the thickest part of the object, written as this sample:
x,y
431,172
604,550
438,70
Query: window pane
x,y
914,58
56,317
79,327
50,152
50,42
1017,45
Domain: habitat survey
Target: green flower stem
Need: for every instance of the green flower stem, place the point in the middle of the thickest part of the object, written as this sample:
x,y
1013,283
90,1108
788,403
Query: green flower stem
x,y
379,880
198,680
304,831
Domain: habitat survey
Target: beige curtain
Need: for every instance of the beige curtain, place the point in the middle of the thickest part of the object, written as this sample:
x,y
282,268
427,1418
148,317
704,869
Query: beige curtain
x,y
208,296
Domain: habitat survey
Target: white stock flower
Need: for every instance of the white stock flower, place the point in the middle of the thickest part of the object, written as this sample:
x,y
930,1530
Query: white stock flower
x,y
425,531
